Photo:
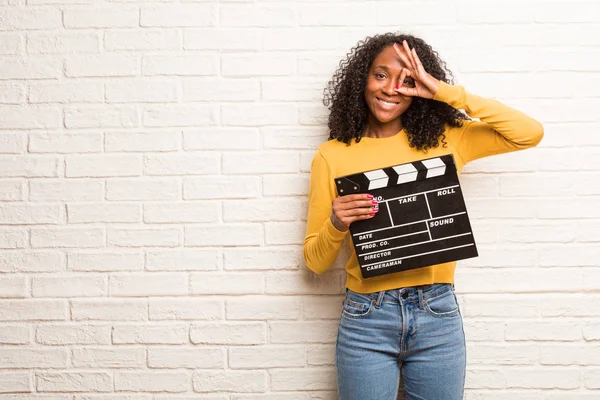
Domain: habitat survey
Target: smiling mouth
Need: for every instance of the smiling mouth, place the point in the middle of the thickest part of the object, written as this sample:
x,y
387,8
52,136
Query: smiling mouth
x,y
386,104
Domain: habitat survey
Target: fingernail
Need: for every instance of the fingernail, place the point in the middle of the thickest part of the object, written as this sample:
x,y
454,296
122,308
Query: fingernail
x,y
369,196
374,202
372,215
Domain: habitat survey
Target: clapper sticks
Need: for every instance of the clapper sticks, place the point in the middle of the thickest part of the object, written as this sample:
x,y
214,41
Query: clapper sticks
x,y
422,218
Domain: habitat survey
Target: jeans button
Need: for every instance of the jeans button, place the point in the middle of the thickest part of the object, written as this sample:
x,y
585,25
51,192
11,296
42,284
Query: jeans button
x,y
404,295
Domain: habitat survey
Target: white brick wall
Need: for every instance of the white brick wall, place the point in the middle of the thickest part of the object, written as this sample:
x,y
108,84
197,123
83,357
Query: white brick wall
x,y
154,160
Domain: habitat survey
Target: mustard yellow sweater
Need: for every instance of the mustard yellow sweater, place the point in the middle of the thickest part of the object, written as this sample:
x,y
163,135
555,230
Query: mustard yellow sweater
x,y
502,129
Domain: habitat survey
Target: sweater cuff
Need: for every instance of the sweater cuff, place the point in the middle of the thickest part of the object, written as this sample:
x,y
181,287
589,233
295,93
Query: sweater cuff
x,y
334,233
451,94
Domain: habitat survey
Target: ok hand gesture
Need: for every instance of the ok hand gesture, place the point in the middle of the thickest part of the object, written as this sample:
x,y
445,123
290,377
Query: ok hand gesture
x,y
424,85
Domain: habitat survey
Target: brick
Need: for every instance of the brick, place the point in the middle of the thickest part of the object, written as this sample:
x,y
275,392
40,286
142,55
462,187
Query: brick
x,y
502,354
33,358
221,39
259,114
322,378
179,15
186,357
186,309
109,310
543,331
322,355
73,382
13,287
271,64
69,286
221,187
64,237
143,189
171,115
61,190
150,334
544,378
303,282
29,19
105,262
72,334
28,166
146,91
285,185
14,334
33,309
12,143
261,258
141,141
182,260
62,43
225,283
12,239
248,234
234,90
147,39
230,381
105,116
259,210
119,357
263,357
292,138
103,212
32,261
68,92
158,237
103,166
262,308
182,164
236,333
221,139
148,284
13,382
303,332
101,65
177,65
101,17
242,15
65,143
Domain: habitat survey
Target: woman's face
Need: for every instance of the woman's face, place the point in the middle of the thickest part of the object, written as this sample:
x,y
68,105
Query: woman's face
x,y
383,78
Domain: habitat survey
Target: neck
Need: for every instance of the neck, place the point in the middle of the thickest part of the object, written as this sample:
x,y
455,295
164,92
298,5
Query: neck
x,y
377,129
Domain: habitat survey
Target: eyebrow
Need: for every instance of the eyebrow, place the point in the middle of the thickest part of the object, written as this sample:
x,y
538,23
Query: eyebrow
x,y
383,67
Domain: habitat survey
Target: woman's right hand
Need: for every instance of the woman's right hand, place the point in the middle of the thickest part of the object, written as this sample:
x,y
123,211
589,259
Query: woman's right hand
x,y
352,207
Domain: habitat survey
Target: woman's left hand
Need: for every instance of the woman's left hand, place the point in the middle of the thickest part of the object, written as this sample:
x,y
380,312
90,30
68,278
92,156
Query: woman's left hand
x,y
425,85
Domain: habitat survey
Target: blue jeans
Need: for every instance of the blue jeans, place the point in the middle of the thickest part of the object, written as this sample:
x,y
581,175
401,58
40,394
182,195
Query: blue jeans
x,y
414,331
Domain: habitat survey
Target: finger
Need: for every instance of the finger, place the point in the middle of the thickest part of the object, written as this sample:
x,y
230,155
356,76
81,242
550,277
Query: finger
x,y
406,91
401,53
420,67
355,212
409,55
402,78
355,197
359,204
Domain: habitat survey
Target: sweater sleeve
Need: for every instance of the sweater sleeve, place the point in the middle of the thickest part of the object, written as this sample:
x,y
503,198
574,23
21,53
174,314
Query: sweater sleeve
x,y
323,240
502,129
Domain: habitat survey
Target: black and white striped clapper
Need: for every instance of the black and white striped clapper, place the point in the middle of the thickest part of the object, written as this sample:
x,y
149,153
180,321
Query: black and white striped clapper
x,y
422,218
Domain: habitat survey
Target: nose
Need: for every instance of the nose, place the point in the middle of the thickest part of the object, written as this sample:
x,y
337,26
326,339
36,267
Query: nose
x,y
390,86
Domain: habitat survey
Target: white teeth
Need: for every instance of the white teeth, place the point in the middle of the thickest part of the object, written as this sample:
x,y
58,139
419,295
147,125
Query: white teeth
x,y
387,103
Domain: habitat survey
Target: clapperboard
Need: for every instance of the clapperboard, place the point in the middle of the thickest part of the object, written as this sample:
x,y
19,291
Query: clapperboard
x,y
422,218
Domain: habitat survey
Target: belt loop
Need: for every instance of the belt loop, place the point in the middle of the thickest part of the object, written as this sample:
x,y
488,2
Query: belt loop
x,y
379,299
420,292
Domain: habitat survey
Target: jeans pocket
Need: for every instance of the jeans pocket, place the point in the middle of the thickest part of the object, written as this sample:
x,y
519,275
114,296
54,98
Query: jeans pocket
x,y
357,305
443,305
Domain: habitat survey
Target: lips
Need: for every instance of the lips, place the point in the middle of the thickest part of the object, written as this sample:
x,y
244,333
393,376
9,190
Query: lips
x,y
386,105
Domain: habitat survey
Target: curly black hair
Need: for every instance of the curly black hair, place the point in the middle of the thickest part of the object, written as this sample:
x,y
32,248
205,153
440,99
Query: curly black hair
x,y
423,121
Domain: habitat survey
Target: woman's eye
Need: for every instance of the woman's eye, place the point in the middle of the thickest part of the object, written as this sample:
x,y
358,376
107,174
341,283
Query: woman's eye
x,y
380,75
409,82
